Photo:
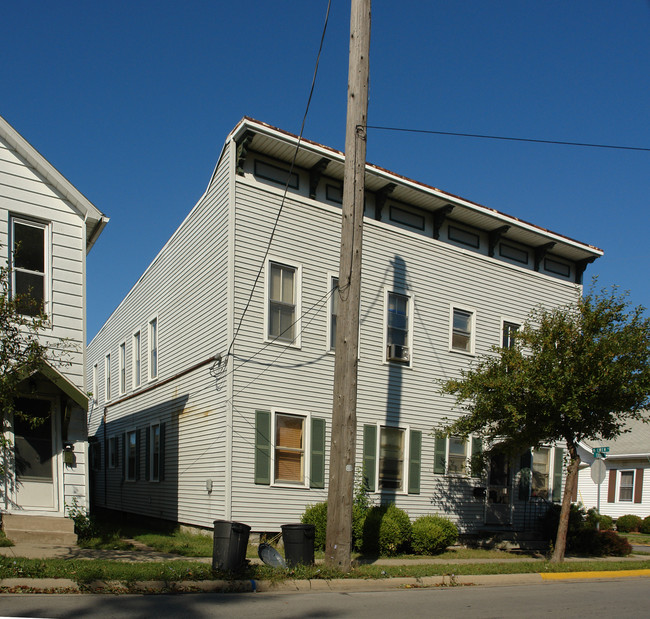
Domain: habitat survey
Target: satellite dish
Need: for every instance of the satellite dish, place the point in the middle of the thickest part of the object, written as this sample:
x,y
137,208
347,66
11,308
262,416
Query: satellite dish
x,y
270,556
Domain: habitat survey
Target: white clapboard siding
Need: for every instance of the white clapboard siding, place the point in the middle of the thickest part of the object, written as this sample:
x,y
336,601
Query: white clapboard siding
x,y
210,436
438,275
185,288
25,193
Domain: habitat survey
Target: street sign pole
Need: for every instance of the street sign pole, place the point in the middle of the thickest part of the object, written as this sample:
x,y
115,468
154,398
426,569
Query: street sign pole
x,y
598,476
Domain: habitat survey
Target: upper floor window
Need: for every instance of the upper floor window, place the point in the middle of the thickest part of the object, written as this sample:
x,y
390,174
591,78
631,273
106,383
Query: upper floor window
x,y
95,384
107,377
462,328
508,334
398,327
282,303
153,348
29,262
137,364
122,368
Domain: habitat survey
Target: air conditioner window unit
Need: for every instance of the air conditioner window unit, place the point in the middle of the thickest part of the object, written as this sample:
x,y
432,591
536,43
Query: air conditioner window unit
x,y
398,353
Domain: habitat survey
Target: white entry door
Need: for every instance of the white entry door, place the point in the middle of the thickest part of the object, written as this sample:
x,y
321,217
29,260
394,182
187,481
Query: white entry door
x,y
36,449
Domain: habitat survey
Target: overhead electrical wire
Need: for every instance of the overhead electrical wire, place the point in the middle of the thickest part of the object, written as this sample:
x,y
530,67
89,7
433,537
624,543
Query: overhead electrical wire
x,y
508,138
286,186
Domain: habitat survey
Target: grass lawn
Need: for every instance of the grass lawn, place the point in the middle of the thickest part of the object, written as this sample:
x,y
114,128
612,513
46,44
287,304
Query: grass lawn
x,y
85,571
636,538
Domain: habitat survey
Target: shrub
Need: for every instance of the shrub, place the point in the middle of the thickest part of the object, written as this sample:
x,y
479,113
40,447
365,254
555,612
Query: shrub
x,y
600,543
593,517
433,534
645,525
551,520
628,523
317,515
386,530
84,525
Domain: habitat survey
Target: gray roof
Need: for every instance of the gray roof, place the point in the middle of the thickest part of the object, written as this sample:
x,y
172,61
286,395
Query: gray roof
x,y
634,442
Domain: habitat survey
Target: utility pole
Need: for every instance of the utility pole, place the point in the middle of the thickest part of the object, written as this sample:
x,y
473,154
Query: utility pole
x,y
344,411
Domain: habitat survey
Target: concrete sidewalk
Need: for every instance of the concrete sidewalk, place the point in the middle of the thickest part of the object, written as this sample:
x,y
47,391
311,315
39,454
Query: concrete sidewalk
x,y
142,553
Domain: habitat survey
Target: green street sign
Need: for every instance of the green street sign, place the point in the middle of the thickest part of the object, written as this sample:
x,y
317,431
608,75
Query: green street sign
x,y
599,450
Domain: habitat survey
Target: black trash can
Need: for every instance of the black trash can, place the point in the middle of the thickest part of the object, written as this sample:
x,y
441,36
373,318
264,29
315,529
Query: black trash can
x,y
230,542
298,542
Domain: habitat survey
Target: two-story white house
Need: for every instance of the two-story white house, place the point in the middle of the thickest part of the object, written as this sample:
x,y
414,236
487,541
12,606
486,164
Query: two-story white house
x,y
212,379
53,226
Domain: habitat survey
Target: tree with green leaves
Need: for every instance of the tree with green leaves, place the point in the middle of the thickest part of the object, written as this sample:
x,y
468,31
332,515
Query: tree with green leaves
x,y
22,351
575,372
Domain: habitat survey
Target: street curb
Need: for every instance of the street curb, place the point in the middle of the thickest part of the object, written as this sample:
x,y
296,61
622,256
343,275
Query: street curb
x,y
343,585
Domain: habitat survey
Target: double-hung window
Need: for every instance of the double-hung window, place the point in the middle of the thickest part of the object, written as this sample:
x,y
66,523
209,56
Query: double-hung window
x,y
131,457
391,459
137,363
541,472
153,348
456,455
29,265
95,384
283,310
508,334
398,327
289,449
122,361
626,488
462,330
112,452
107,377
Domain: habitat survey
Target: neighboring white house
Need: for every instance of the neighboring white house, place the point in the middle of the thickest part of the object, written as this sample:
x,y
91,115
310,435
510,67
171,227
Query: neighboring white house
x,y
54,226
626,488
190,428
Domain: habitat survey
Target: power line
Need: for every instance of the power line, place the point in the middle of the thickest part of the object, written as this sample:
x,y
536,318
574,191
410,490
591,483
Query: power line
x,y
508,138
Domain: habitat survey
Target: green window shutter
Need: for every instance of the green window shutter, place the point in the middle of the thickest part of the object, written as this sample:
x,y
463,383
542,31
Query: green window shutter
x,y
477,449
557,474
440,456
161,467
138,437
317,475
370,455
415,461
525,474
147,453
262,447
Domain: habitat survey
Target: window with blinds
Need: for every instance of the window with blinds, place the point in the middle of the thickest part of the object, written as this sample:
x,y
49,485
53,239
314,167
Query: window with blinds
x,y
289,448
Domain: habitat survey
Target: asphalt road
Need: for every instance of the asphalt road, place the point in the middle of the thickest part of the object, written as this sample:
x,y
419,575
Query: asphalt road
x,y
620,598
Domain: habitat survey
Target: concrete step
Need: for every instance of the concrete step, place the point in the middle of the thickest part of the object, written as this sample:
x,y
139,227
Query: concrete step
x,y
51,530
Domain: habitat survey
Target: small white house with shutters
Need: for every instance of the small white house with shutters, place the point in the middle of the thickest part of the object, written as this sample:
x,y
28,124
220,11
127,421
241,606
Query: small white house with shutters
x,y
46,229
626,487
212,380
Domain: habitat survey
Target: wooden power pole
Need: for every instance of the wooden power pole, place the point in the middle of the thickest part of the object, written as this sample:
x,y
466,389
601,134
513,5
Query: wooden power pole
x,y
344,410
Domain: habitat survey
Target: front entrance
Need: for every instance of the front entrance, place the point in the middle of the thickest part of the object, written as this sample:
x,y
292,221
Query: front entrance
x,y
36,459
498,509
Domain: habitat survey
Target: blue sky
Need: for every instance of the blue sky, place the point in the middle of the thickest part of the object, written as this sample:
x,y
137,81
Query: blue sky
x,y
132,101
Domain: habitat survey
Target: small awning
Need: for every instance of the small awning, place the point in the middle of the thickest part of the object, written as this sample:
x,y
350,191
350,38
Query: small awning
x,y
58,379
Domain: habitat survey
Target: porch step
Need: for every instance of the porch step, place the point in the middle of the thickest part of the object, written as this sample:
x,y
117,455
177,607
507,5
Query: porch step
x,y
48,530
